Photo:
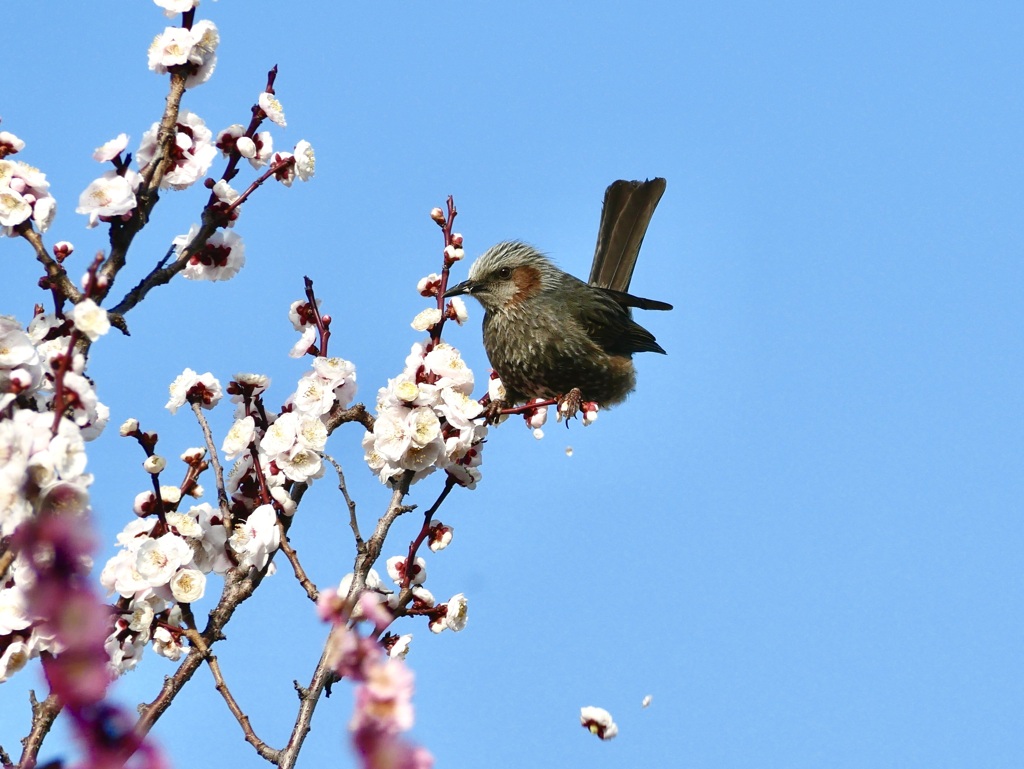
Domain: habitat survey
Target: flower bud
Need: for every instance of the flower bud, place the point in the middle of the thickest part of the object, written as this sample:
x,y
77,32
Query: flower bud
x,y
437,215
154,464
246,147
62,250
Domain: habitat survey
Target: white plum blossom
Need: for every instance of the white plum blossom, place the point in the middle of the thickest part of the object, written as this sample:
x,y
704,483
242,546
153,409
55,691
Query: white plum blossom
x,y
193,155
111,149
169,49
14,657
459,310
24,193
158,559
246,147
203,55
400,648
456,617
174,7
440,536
300,464
257,538
167,645
154,464
340,375
429,285
204,385
264,149
89,318
188,585
426,319
285,163
305,161
272,107
20,365
10,144
598,721
14,209
220,258
396,570
238,438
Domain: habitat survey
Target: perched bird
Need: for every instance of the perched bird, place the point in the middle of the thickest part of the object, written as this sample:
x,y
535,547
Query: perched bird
x,y
550,335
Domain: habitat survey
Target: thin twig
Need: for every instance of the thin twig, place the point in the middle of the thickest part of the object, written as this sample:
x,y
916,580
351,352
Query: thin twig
x,y
239,585
322,675
300,574
353,522
218,472
339,416
262,748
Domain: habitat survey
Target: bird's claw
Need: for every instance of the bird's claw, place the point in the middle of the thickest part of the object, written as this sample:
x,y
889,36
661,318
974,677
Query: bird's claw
x,y
493,411
569,405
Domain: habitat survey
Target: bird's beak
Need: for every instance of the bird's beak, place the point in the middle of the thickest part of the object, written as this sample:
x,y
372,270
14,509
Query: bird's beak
x,y
465,287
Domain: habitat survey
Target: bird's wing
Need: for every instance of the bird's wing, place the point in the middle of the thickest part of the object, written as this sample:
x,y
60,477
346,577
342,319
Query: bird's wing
x,y
628,208
611,326
628,300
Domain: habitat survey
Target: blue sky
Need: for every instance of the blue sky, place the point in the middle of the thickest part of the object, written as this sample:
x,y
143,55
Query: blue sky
x,y
802,535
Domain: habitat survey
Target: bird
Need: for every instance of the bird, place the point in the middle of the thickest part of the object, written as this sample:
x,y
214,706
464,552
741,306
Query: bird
x,y
549,335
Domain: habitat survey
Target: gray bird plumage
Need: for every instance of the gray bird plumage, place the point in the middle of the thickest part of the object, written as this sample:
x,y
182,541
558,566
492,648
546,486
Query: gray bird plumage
x,y
547,332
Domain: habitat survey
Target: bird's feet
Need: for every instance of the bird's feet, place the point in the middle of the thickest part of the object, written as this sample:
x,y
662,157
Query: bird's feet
x,y
569,405
493,411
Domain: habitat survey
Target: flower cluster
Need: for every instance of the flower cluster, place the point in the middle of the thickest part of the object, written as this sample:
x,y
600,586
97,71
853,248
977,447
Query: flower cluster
x,y
193,49
161,564
24,191
42,467
192,153
426,419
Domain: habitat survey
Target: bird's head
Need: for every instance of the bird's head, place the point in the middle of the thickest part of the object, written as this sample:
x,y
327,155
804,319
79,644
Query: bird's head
x,y
507,275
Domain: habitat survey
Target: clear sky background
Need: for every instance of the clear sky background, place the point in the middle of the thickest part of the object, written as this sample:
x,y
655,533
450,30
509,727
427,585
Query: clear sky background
x,y
802,535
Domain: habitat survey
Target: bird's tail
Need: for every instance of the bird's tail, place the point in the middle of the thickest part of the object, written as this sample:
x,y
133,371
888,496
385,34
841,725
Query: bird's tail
x,y
628,208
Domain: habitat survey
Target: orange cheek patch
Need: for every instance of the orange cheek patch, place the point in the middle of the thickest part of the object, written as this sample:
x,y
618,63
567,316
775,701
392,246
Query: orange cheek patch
x,y
527,282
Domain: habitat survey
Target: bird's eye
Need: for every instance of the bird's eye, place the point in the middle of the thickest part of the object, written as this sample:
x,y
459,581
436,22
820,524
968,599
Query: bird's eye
x,y
505,273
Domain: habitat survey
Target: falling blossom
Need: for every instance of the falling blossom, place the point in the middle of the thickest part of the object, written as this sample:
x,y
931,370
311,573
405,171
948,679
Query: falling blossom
x,y
598,721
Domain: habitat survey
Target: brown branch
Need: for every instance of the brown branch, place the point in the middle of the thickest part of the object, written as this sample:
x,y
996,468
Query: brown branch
x,y
339,416
262,748
160,276
218,472
353,522
6,559
239,585
308,699
43,715
322,675
123,233
58,276
300,574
